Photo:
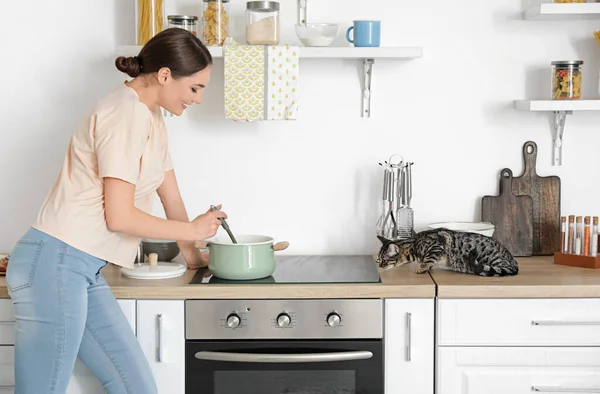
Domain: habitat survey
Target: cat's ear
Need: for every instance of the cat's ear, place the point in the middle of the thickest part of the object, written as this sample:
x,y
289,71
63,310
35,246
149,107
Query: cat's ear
x,y
383,239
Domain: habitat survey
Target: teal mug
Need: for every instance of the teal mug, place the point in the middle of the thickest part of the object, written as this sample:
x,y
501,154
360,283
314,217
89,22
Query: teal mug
x,y
365,33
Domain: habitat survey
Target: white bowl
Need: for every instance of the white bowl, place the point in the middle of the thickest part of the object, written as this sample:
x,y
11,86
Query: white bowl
x,y
484,228
317,34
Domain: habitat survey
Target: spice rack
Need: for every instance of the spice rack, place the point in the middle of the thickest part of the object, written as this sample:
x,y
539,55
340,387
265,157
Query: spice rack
x,y
574,260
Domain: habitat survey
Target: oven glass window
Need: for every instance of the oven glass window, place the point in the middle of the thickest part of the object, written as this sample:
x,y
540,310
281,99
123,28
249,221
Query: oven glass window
x,y
285,382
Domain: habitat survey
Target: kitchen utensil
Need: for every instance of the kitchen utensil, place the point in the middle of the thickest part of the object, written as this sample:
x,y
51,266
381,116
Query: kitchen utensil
x,y
317,34
252,257
224,224
483,228
545,192
386,225
512,215
404,214
365,33
166,250
154,269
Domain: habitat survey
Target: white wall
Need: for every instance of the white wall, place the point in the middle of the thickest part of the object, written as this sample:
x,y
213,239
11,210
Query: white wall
x,y
314,182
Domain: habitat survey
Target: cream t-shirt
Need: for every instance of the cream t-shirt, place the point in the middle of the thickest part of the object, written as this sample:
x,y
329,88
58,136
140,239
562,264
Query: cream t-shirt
x,y
121,138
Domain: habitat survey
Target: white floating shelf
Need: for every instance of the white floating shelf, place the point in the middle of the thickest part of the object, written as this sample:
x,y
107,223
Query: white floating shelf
x,y
558,105
558,109
563,11
320,52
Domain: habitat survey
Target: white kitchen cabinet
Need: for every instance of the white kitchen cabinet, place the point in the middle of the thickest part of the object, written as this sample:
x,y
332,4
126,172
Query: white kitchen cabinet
x,y
518,370
83,380
409,346
161,333
519,322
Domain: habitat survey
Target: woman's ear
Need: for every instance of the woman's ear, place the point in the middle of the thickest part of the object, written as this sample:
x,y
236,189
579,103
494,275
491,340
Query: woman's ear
x,y
163,75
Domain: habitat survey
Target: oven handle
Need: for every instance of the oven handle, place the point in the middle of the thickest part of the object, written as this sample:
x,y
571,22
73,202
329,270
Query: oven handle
x,y
284,358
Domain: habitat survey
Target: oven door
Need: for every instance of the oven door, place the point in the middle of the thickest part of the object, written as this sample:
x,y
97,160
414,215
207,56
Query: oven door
x,y
284,367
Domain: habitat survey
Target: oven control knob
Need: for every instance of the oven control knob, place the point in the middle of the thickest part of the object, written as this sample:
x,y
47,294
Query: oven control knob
x,y
233,320
333,319
283,320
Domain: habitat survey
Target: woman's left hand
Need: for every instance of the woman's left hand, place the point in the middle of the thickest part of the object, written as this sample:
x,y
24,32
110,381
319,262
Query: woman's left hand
x,y
195,258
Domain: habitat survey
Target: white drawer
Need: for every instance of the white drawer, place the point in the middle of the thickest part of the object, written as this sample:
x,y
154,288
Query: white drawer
x,y
518,370
7,369
7,322
518,322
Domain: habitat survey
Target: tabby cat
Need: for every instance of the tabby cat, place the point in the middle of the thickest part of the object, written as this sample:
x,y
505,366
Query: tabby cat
x,y
469,253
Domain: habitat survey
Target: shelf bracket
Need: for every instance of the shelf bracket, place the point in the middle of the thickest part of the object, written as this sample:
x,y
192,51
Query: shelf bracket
x,y
558,128
302,12
367,74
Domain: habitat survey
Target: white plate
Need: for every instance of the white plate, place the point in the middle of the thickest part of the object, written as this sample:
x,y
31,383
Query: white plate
x,y
162,271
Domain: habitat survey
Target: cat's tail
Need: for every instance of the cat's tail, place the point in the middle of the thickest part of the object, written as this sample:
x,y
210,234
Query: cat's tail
x,y
501,268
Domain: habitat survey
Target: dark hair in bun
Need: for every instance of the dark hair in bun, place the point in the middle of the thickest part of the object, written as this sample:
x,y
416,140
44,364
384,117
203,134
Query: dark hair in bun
x,y
178,49
129,65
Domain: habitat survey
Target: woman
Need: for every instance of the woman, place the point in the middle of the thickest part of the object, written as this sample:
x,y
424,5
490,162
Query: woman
x,y
95,213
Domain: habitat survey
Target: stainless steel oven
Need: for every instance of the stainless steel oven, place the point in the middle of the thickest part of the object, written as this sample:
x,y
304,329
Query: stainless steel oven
x,y
284,346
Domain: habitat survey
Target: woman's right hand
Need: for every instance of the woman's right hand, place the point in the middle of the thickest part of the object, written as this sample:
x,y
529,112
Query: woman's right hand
x,y
207,224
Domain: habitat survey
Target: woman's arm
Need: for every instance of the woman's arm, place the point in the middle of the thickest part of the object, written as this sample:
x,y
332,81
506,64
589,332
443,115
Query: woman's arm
x,y
122,216
171,200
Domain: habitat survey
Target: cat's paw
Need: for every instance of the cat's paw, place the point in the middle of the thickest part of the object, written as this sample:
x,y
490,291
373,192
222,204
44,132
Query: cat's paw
x,y
423,268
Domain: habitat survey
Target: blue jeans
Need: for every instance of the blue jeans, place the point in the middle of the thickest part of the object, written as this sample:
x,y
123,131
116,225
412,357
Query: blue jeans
x,y
64,309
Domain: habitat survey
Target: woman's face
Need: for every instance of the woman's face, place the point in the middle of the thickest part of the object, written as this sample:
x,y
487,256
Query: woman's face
x,y
177,94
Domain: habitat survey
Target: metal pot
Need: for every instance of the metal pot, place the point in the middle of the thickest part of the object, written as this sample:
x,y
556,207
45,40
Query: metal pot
x,y
253,257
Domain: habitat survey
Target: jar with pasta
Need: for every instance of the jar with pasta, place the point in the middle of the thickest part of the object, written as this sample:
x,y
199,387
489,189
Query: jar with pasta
x,y
215,21
566,80
151,19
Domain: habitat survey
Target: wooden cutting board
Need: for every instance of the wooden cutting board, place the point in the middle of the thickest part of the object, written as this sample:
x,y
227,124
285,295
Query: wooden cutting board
x,y
512,215
545,192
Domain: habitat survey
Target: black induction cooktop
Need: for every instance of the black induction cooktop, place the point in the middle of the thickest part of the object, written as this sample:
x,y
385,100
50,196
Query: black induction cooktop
x,y
308,269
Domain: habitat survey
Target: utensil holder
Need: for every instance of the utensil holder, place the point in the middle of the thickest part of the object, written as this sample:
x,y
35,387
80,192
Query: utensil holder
x,y
575,260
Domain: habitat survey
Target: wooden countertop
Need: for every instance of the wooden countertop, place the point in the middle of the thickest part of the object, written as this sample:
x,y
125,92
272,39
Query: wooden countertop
x,y
538,277
400,283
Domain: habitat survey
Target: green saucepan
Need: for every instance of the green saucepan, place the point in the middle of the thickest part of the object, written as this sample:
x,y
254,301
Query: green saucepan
x,y
252,257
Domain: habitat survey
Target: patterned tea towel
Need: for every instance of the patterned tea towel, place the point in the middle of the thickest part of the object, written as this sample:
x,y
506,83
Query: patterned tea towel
x,y
261,82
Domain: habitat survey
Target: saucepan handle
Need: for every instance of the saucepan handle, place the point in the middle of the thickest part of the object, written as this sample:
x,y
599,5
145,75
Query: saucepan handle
x,y
279,246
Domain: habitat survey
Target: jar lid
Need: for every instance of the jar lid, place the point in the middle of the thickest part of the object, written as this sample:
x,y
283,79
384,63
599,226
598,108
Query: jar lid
x,y
265,6
216,1
567,63
182,17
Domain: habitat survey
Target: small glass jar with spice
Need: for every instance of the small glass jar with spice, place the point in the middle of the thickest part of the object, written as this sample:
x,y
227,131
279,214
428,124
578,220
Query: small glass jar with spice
x,y
215,22
184,22
566,80
262,23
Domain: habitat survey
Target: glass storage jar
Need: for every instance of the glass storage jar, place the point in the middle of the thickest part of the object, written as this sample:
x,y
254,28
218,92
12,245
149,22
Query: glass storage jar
x,y
262,22
185,22
215,22
566,80
151,19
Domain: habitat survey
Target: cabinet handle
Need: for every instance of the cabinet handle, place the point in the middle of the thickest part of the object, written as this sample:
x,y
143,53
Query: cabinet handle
x,y
159,339
553,389
6,386
564,323
408,336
